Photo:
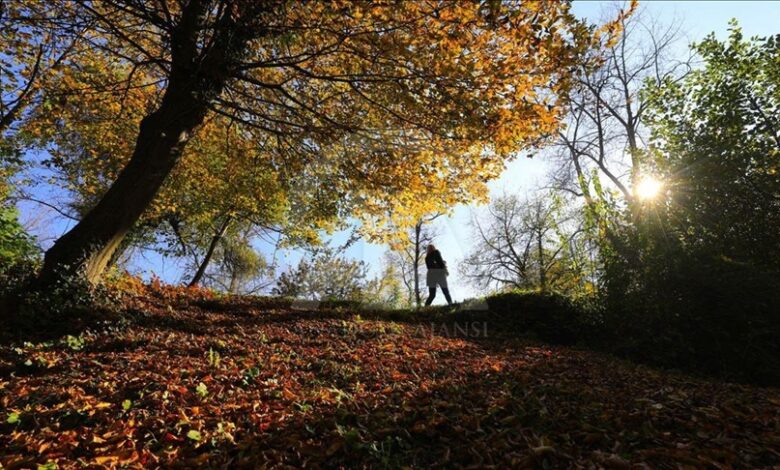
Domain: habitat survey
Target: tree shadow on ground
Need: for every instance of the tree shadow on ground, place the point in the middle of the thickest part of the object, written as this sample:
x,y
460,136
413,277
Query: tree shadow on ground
x,y
326,388
534,416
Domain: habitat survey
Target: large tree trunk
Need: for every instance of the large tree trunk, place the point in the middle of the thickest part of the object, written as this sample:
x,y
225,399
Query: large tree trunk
x,y
194,80
90,244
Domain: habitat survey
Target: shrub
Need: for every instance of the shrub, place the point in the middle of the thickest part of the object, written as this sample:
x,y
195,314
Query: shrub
x,y
550,317
65,299
68,305
175,295
15,244
15,275
696,311
18,253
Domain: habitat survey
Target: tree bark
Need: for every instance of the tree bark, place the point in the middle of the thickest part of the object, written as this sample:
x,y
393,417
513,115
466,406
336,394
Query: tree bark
x,y
210,252
417,231
90,244
542,271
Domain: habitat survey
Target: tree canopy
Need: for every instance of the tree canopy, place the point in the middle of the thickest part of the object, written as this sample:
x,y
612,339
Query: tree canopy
x,y
717,144
389,109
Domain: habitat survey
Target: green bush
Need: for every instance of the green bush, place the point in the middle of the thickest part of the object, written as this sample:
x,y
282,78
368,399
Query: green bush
x,y
13,276
15,244
68,304
68,296
698,312
18,253
549,317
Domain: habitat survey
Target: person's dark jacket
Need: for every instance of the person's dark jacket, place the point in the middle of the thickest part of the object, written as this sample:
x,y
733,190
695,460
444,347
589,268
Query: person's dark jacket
x,y
434,260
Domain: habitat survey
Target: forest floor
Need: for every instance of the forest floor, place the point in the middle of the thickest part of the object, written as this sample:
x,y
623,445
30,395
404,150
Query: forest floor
x,y
247,383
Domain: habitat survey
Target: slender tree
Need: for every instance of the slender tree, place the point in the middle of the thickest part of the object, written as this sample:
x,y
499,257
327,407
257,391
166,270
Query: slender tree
x,y
238,268
605,128
525,244
408,254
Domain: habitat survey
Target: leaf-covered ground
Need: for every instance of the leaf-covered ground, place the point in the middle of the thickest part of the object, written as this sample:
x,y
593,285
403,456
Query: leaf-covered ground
x,y
246,383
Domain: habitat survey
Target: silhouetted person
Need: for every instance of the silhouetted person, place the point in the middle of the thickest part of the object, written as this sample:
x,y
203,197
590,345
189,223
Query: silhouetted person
x,y
437,274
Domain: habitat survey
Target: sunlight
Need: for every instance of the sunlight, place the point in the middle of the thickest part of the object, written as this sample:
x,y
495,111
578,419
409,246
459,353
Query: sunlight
x,y
648,188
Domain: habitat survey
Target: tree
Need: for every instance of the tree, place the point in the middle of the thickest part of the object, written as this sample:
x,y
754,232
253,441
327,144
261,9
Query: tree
x,y
408,254
238,268
525,245
605,133
386,289
31,51
699,281
15,243
328,82
326,276
224,178
716,141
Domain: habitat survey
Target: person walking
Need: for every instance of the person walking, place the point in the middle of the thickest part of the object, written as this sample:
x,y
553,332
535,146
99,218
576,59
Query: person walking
x,y
437,274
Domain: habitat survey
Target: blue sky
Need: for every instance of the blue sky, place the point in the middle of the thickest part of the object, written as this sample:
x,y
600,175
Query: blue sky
x,y
699,18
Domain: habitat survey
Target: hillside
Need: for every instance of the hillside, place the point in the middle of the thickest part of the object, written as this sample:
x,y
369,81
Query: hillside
x,y
192,382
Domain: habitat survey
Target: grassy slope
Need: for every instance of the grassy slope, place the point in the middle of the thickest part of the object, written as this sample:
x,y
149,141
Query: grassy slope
x,y
325,388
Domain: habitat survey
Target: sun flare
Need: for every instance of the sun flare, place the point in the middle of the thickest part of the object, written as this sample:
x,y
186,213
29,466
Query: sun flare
x,y
648,188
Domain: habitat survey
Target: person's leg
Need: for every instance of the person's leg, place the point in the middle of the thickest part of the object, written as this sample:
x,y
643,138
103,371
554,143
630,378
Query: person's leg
x,y
444,287
431,295
446,292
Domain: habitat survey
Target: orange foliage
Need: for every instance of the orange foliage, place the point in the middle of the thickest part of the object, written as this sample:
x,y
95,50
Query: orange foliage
x,y
133,287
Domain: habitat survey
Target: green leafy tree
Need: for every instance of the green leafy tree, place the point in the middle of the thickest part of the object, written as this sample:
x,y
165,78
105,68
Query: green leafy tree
x,y
15,244
701,287
716,142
